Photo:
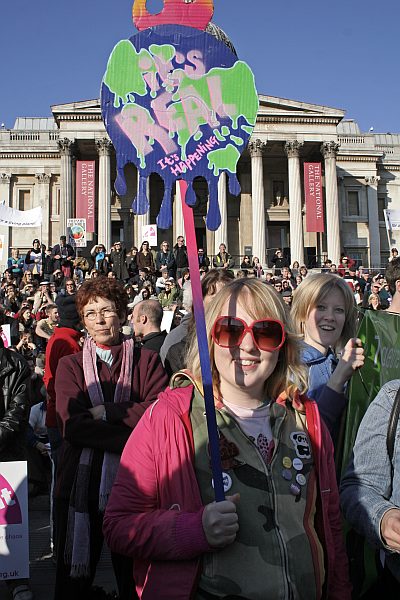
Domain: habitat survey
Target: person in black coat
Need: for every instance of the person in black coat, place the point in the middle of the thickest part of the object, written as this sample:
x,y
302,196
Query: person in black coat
x,y
63,254
146,321
279,261
15,377
118,262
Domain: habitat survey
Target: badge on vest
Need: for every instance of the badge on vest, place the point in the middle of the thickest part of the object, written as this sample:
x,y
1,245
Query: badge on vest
x,y
301,444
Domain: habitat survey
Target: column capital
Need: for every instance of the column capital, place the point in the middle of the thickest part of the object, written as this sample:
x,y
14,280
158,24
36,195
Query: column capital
x,y
43,178
373,180
5,178
104,146
65,146
329,149
292,148
256,147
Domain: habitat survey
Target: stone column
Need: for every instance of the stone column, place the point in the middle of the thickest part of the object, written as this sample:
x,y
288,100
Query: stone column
x,y
329,151
292,149
65,147
221,235
104,212
143,219
373,222
5,189
257,192
43,180
179,224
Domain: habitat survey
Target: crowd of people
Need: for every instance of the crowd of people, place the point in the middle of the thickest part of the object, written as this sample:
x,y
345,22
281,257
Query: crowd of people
x,y
107,407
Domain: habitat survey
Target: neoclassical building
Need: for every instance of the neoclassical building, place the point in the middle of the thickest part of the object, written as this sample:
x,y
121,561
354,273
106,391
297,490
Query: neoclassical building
x,y
361,177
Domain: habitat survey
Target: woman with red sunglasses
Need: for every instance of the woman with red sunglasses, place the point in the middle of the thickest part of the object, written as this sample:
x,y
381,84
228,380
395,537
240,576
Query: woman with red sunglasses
x,y
278,533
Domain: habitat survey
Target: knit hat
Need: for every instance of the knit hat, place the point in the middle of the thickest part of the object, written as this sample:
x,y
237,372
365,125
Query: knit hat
x,y
67,311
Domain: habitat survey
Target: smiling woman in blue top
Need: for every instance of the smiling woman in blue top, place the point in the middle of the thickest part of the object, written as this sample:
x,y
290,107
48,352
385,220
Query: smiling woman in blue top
x,y
324,312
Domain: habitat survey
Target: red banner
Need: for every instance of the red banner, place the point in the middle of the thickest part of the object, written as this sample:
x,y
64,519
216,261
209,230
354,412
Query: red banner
x,y
85,192
314,197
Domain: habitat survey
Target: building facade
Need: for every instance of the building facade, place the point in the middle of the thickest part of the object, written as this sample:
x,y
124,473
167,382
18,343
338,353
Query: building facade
x,y
361,177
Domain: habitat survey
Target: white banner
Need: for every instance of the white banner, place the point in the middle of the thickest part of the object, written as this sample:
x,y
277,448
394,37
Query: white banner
x,y
149,234
392,218
20,218
14,525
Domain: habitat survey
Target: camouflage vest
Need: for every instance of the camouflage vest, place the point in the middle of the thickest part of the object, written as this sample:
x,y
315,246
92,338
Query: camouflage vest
x,y
271,557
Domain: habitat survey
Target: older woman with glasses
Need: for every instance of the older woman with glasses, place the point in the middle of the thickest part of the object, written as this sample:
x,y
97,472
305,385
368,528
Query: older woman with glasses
x,y
101,393
278,533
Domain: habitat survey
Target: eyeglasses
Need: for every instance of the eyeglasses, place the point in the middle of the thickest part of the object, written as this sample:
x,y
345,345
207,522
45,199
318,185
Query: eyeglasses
x,y
268,334
106,313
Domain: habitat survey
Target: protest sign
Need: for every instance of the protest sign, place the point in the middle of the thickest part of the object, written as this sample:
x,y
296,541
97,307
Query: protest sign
x,y
14,529
77,232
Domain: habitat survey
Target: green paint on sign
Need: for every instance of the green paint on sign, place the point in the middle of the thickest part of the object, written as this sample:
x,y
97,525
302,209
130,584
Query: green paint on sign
x,y
225,130
197,136
226,81
237,140
125,71
224,159
166,52
247,129
219,136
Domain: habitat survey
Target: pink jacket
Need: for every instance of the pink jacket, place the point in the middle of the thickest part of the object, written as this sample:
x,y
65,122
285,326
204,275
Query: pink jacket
x,y
155,511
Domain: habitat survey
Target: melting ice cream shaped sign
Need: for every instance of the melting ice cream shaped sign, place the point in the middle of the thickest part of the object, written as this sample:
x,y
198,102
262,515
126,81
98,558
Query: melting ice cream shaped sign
x,y
176,101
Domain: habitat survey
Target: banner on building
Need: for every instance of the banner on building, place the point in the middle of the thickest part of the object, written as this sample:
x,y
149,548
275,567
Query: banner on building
x,y
392,219
314,198
14,525
77,232
380,335
149,234
12,217
85,192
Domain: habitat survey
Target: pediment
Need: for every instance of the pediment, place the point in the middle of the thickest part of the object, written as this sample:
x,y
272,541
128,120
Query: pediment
x,y
274,106
270,106
86,110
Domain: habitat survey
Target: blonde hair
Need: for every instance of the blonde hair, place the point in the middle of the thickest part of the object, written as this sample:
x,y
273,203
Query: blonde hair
x,y
264,302
315,288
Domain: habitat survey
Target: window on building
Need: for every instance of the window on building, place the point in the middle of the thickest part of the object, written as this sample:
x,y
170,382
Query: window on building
x,y
381,207
24,200
55,202
353,203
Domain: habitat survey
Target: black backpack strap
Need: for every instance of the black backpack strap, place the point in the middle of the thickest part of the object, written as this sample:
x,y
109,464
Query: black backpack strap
x,y
392,428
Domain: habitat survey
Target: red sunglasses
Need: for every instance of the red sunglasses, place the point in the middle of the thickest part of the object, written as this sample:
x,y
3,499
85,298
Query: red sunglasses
x,y
268,334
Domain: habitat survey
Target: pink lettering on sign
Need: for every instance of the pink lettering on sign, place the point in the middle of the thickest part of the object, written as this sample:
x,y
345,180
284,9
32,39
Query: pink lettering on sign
x,y
10,510
136,124
314,197
85,192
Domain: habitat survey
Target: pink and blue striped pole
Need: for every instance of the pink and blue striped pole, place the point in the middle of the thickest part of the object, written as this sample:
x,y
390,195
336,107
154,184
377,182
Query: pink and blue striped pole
x,y
198,310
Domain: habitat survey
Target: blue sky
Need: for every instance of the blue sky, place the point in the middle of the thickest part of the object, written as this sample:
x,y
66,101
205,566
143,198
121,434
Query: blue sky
x,y
343,53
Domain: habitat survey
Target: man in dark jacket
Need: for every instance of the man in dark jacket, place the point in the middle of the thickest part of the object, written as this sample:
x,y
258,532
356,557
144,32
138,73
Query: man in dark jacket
x,y
118,262
181,257
146,322
63,254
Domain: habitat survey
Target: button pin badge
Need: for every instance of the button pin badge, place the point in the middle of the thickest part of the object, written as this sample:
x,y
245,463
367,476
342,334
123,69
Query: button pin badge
x,y
295,490
297,464
226,480
286,474
300,478
287,462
